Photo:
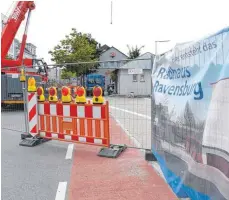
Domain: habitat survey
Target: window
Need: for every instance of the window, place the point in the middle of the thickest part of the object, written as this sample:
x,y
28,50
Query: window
x,y
135,78
91,81
98,81
142,78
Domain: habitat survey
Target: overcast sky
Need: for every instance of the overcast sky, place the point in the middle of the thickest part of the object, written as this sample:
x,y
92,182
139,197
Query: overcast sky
x,y
138,22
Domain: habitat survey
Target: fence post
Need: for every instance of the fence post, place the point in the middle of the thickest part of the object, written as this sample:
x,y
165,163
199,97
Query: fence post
x,y
31,120
23,80
149,156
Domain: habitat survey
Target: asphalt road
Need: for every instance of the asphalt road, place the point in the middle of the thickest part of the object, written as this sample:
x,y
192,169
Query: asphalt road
x,y
32,173
13,120
35,173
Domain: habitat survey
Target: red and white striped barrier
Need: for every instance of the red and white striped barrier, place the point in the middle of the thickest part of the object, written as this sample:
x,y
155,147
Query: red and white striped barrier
x,y
83,123
32,113
72,110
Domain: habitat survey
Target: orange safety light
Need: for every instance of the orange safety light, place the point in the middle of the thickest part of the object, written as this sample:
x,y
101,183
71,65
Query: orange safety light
x,y
66,94
97,95
80,92
40,94
97,92
53,94
32,84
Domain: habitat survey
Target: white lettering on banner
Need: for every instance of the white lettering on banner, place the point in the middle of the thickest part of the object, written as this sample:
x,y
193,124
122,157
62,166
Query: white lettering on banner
x,y
190,88
135,71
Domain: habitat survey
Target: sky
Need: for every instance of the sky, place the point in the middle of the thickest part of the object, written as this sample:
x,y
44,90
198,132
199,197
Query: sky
x,y
135,22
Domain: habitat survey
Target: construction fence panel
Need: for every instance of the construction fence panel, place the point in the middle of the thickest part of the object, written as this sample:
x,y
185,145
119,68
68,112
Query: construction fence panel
x,y
126,86
190,117
13,93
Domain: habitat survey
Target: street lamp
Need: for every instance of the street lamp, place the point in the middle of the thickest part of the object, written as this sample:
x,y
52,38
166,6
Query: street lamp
x,y
159,41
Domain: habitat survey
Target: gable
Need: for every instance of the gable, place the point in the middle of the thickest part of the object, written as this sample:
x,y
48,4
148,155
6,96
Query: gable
x,y
117,55
141,64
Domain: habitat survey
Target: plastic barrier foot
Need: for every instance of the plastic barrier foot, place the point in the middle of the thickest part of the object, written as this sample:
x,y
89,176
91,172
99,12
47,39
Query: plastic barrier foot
x,y
32,141
149,156
24,135
113,151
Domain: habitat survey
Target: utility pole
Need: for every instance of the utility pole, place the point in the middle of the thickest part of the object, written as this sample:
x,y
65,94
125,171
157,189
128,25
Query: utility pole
x,y
111,12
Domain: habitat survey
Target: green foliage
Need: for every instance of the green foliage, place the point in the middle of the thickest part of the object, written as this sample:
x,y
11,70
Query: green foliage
x,y
76,47
134,52
65,74
114,75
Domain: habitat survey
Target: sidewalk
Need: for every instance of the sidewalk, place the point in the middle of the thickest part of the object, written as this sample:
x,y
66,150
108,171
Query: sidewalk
x,y
127,177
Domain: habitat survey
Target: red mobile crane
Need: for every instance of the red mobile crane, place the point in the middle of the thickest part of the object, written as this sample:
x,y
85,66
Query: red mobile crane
x,y
11,87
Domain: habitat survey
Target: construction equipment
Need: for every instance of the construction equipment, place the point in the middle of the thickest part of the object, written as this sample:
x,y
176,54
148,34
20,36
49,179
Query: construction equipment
x,y
10,69
10,30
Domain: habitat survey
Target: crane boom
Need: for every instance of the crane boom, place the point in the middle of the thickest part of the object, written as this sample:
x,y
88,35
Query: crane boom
x,y
10,30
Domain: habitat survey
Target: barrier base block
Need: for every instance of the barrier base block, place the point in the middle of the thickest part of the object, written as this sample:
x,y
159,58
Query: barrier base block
x,y
149,156
25,135
32,141
113,151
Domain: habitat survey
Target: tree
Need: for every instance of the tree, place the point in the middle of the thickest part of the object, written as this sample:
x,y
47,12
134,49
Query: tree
x,y
65,74
76,47
134,52
114,75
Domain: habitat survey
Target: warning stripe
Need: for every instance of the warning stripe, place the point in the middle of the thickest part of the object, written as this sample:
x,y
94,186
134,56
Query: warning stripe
x,y
72,110
32,116
75,138
86,123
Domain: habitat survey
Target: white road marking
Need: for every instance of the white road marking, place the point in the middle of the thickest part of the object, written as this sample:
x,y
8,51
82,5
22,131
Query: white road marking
x,y
130,112
69,151
61,191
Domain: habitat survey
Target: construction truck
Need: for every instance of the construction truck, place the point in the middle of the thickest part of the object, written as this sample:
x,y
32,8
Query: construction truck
x,y
11,88
92,80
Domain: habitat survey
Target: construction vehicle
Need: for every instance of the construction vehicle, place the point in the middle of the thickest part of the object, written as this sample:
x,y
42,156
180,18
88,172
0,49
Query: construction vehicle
x,y
92,80
11,89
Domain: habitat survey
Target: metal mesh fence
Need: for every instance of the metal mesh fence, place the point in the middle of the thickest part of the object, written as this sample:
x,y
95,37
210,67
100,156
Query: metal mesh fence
x,y
12,100
126,85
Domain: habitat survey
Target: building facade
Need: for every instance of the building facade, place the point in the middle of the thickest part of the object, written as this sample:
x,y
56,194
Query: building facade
x,y
139,83
106,68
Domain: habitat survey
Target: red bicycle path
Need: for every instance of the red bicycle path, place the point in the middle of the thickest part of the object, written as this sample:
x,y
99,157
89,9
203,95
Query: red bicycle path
x,y
127,177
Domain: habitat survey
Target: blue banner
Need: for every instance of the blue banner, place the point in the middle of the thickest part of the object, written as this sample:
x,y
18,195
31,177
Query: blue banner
x,y
191,117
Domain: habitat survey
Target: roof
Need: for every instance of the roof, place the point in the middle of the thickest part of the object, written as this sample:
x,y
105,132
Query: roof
x,y
104,48
140,64
115,49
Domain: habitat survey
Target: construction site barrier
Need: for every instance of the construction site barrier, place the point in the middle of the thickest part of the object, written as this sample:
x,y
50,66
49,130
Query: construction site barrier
x,y
32,112
67,120
82,123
